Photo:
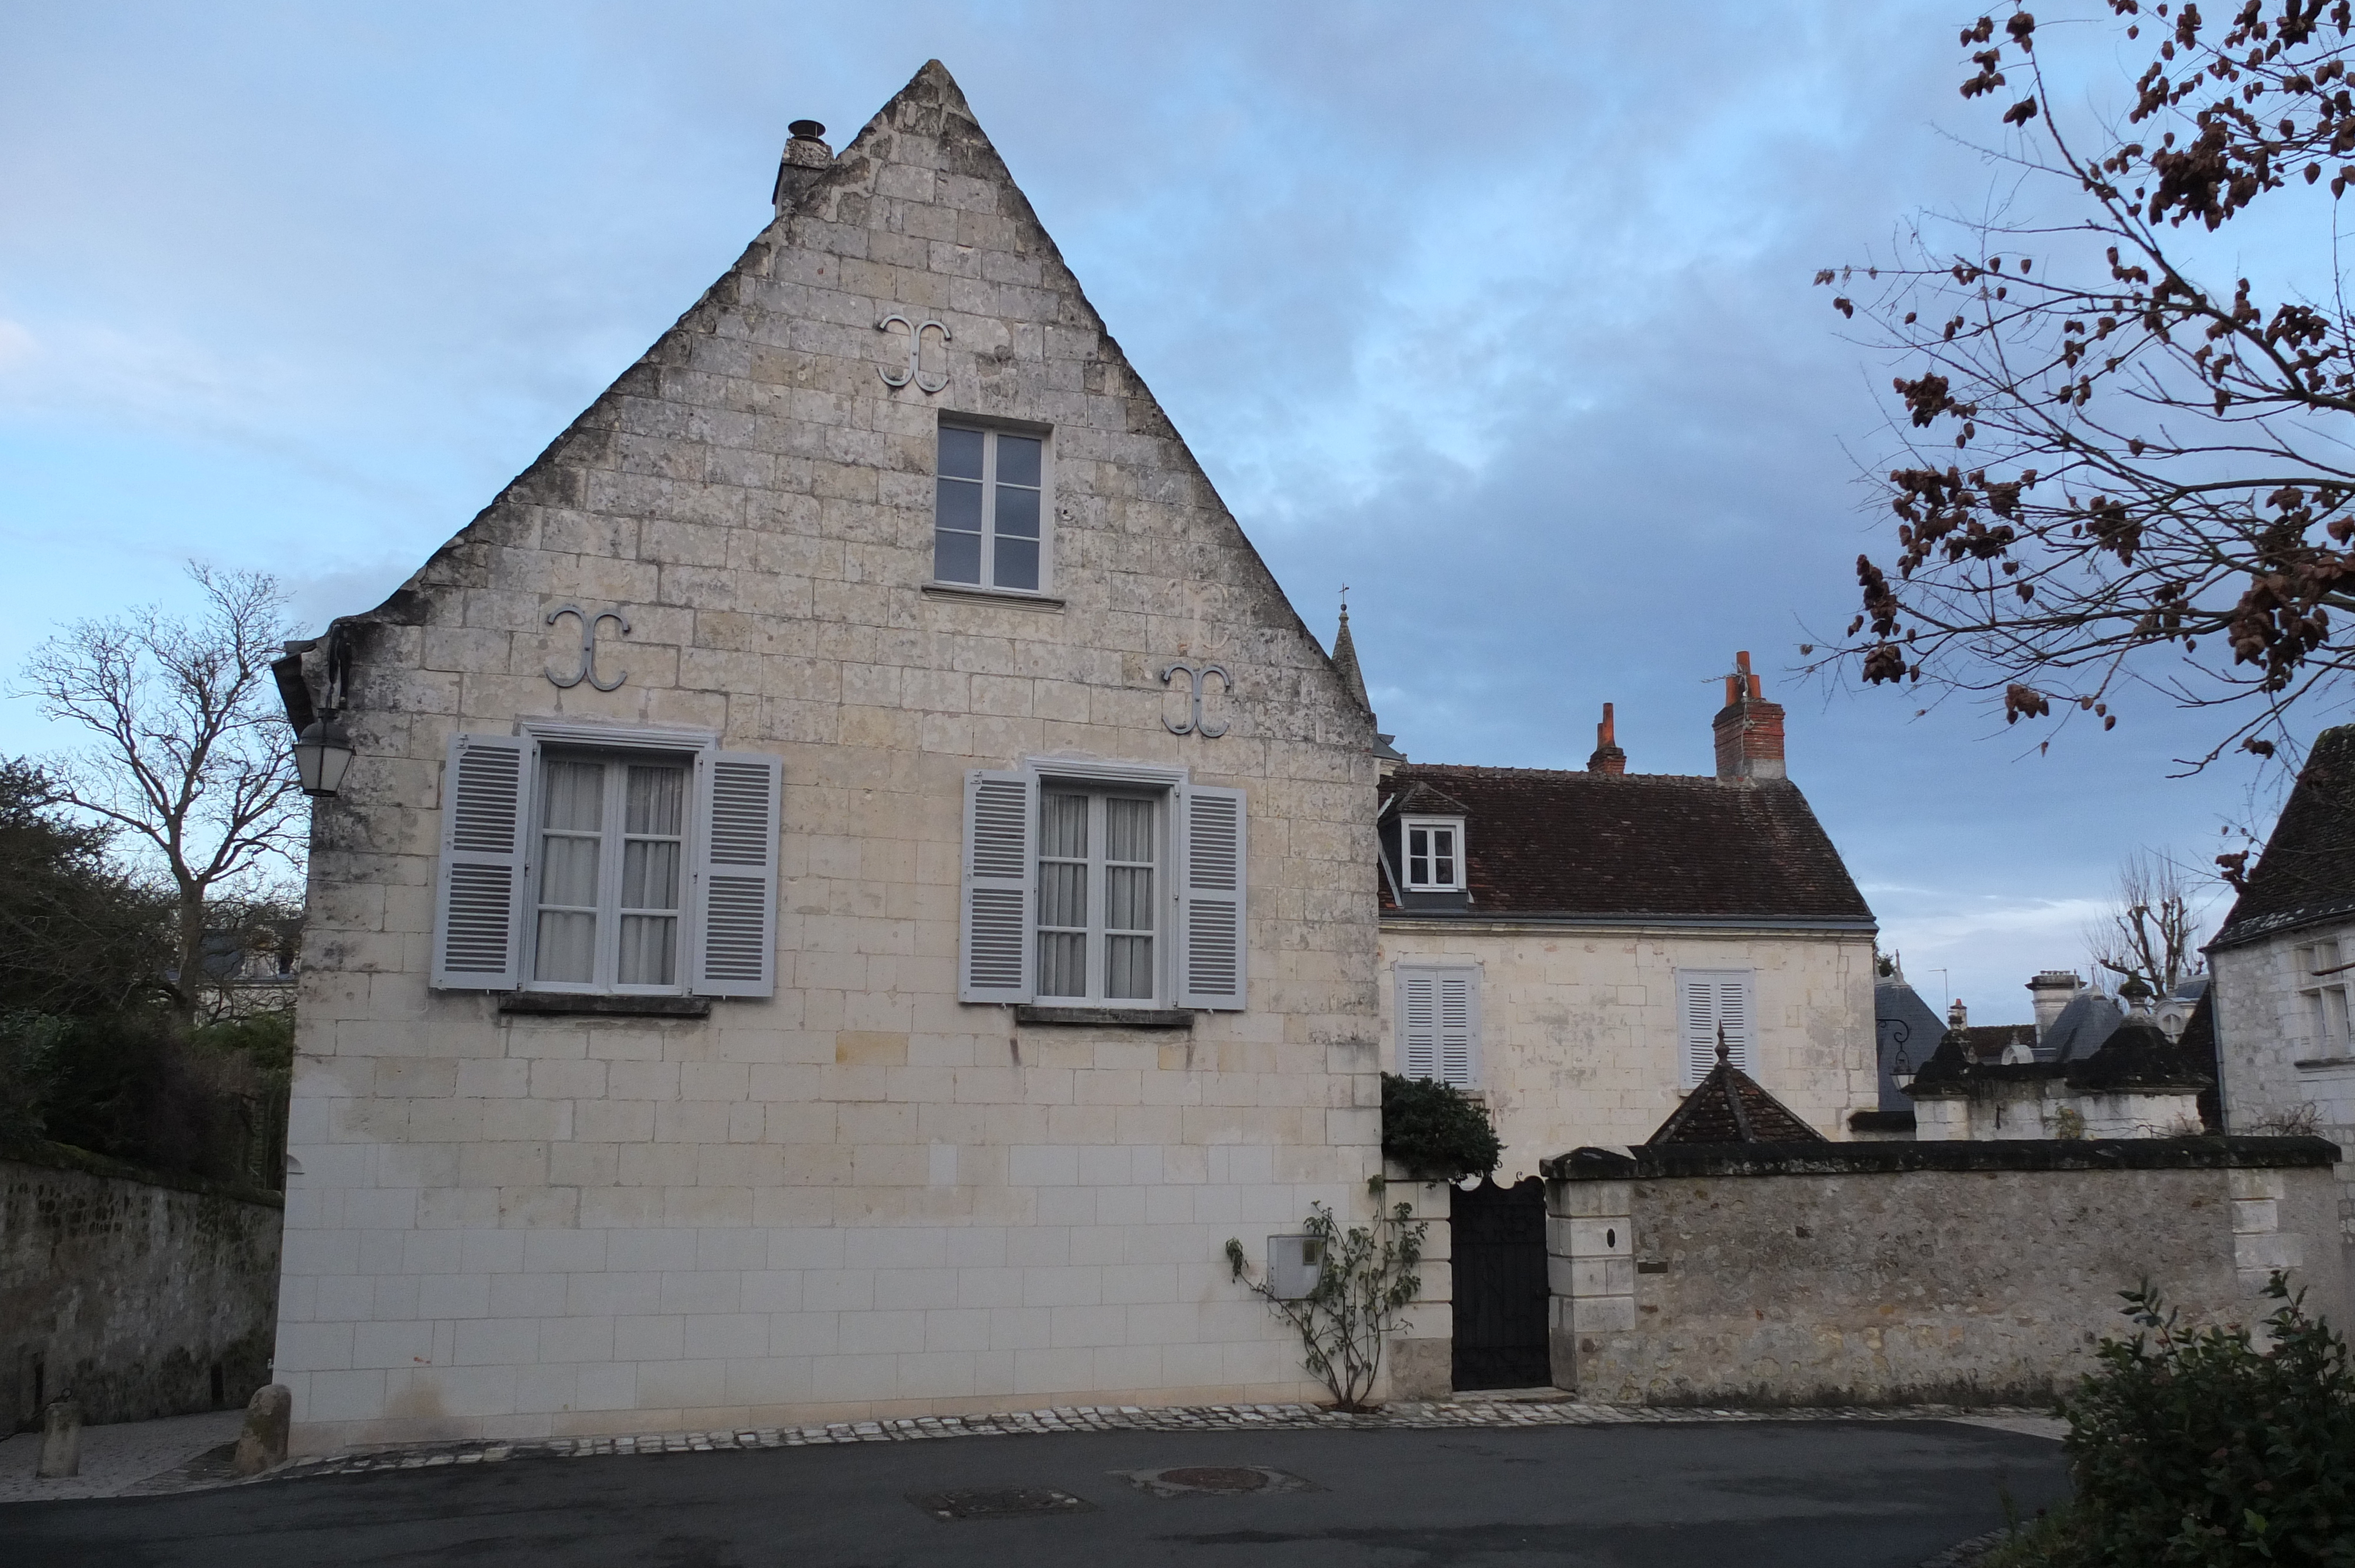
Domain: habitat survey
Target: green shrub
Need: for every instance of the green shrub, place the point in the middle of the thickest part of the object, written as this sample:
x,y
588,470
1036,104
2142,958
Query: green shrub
x,y
2196,1447
1436,1130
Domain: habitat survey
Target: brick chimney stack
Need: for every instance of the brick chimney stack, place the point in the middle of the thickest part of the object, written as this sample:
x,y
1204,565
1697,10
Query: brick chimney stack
x,y
1607,757
806,157
1749,728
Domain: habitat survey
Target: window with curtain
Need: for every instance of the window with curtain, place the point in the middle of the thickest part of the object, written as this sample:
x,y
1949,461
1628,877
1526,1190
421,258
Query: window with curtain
x,y
1099,896
610,876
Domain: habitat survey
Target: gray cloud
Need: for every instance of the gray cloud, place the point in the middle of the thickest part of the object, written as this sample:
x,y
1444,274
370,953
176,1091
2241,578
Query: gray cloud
x,y
1502,317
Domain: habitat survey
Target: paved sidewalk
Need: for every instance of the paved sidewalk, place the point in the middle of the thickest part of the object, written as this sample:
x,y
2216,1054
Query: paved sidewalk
x,y
124,1458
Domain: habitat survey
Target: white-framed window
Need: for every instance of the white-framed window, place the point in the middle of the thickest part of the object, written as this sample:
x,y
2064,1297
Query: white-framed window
x,y
990,516
1433,849
1091,885
2326,986
1438,1008
606,862
610,876
1100,905
1714,1004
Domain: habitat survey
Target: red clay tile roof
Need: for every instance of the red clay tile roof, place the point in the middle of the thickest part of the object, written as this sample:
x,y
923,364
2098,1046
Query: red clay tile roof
x,y
1541,841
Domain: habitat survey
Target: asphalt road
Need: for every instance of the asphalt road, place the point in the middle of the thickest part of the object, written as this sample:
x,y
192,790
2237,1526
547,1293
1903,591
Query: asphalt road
x,y
1764,1495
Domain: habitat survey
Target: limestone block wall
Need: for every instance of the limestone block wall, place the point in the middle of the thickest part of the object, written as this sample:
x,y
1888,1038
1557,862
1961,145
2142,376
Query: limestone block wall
x,y
2276,1072
858,1196
2032,1109
1888,1274
139,1294
1579,1042
1422,1357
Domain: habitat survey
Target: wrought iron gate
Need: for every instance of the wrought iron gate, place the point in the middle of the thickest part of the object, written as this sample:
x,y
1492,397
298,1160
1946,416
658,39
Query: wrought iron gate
x,y
1501,1294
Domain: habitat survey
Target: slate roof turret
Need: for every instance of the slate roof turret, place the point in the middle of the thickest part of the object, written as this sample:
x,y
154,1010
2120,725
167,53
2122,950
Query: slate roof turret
x,y
2307,873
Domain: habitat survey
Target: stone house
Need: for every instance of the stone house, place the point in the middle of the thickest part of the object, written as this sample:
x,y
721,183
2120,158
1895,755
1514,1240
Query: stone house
x,y
854,884
2282,967
1570,945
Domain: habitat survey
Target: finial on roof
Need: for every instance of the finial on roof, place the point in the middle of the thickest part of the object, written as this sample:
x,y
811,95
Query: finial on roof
x,y
1345,659
1723,1054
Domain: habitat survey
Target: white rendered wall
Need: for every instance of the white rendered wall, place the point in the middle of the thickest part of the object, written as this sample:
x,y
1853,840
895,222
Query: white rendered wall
x,y
1579,1040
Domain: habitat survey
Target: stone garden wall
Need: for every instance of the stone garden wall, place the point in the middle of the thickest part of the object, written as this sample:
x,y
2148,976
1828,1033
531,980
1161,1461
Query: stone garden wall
x,y
142,1295
1889,1272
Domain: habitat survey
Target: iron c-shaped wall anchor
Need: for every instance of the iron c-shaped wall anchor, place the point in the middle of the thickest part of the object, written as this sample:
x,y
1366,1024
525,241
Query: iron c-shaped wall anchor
x,y
589,624
1198,724
915,370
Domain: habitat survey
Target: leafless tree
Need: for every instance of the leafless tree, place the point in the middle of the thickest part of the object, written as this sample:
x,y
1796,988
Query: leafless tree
x,y
2152,928
191,764
2116,476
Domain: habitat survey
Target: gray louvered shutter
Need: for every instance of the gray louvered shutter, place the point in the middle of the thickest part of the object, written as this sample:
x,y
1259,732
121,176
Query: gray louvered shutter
x,y
479,889
1211,898
1439,1025
1706,998
1418,1018
1459,1027
1734,1011
994,958
736,874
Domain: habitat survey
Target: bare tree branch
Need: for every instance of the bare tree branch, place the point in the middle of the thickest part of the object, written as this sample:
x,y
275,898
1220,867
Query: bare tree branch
x,y
2151,485
190,762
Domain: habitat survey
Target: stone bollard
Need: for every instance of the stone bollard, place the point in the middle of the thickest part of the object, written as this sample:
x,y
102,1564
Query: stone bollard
x,y
263,1442
60,1440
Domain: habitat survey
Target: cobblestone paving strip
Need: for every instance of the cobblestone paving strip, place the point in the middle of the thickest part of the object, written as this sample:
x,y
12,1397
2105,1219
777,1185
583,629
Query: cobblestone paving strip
x,y
1089,1418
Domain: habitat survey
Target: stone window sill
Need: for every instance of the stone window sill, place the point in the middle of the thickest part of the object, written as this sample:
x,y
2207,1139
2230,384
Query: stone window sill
x,y
1107,1017
1010,597
554,1004
2325,1062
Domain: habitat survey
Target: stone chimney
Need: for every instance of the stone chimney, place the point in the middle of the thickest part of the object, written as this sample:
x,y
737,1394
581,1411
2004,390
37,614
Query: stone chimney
x,y
806,157
2050,993
1749,728
1957,1016
1607,757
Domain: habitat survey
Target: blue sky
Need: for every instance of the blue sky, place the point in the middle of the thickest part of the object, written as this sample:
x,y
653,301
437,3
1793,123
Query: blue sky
x,y
1500,314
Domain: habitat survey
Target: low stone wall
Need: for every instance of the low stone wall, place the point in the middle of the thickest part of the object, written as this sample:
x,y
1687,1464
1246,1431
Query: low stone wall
x,y
142,1294
1891,1273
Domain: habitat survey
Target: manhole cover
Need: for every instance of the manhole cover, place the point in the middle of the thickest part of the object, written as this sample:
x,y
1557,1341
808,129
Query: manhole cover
x,y
1213,1480
1005,1504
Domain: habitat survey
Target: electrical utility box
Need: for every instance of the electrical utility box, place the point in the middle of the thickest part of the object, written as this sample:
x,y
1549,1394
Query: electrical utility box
x,y
1294,1263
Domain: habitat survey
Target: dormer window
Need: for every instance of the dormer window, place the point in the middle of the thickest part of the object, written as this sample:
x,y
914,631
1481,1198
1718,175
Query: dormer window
x,y
1434,854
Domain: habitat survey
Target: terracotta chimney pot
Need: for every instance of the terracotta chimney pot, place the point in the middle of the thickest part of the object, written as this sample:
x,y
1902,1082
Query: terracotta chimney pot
x,y
1607,757
1749,728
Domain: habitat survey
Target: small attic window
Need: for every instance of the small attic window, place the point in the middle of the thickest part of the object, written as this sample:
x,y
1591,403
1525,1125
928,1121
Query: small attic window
x,y
1434,854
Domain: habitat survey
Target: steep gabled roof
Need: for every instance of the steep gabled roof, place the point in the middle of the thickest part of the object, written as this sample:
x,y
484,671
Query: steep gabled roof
x,y
2307,873
1728,1106
1596,846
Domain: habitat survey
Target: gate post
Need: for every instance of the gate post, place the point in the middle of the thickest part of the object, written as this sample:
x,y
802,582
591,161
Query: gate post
x,y
1590,1267
1422,1358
